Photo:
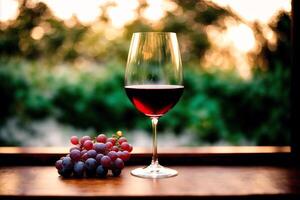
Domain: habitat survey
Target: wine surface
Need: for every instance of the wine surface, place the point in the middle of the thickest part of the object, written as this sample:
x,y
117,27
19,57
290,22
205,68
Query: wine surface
x,y
154,100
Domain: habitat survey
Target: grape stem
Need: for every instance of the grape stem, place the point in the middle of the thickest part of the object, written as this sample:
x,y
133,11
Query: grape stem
x,y
154,121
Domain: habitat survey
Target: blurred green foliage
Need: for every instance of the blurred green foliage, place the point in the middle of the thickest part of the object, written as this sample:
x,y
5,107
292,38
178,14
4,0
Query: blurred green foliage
x,y
217,106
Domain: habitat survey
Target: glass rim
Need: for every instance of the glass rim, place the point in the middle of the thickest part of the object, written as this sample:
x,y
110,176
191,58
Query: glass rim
x,y
154,32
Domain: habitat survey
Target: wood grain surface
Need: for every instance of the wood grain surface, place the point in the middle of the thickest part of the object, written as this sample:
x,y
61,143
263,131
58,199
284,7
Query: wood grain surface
x,y
163,150
193,181
225,155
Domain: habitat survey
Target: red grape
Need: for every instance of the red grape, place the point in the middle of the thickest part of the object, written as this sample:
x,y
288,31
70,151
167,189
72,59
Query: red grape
x,y
115,148
67,163
101,172
88,145
109,145
65,172
100,147
116,172
121,155
91,153
98,158
74,140
59,165
75,155
126,155
79,169
90,163
84,138
118,163
72,148
113,155
90,166
106,161
112,140
130,148
125,146
84,157
122,139
83,152
101,138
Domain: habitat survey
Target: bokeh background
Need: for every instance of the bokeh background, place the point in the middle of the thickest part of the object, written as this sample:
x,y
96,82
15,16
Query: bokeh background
x,y
62,66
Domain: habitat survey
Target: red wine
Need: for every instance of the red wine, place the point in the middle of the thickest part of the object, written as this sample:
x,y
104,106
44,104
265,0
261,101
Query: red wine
x,y
154,100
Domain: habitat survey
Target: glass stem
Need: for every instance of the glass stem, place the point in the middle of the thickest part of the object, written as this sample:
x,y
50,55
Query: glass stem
x,y
154,121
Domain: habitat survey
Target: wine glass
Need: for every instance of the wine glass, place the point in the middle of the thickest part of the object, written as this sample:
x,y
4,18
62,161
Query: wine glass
x,y
153,83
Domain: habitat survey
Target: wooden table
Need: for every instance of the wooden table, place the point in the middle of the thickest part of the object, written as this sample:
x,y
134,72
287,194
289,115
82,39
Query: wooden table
x,y
206,178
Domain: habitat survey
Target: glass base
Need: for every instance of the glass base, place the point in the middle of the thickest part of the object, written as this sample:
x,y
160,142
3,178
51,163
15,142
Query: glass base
x,y
154,171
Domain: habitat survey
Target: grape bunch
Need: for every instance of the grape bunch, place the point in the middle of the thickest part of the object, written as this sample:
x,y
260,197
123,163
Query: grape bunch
x,y
95,157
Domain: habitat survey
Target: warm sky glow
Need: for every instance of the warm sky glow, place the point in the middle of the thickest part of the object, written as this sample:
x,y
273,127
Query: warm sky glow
x,y
238,37
8,9
123,12
85,11
230,47
88,10
241,36
260,10
157,9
